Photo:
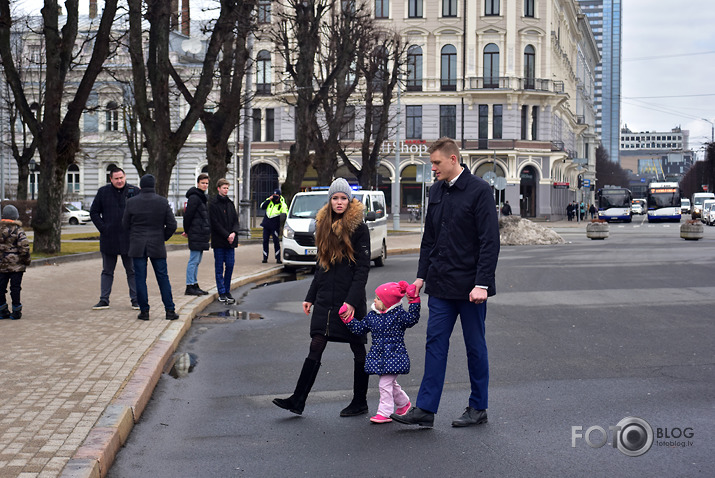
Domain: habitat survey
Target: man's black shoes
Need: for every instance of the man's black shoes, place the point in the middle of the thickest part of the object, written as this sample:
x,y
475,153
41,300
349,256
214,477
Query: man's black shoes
x,y
143,315
471,416
101,305
171,315
416,416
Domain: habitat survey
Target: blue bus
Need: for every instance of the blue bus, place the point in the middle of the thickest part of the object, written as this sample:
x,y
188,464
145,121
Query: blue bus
x,y
663,202
614,204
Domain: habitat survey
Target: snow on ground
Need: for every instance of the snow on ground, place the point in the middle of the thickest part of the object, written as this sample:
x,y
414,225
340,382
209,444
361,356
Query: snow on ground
x,y
515,231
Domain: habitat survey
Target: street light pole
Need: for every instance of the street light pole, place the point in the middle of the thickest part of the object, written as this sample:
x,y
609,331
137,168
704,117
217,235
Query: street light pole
x,y
712,130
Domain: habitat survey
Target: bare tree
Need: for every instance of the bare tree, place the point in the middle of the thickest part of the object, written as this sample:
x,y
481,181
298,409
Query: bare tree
x,y
609,172
154,74
60,134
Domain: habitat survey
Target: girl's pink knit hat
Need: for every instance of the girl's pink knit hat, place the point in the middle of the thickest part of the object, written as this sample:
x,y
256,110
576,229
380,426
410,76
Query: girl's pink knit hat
x,y
390,293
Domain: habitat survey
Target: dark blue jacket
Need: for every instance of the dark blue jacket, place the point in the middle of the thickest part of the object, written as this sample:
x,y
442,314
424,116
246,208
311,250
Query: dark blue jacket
x,y
150,222
224,221
460,245
196,220
388,354
106,212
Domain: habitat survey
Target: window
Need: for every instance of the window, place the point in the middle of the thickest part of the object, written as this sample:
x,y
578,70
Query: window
x,y
380,58
382,8
448,121
414,9
497,123
491,7
414,68
413,123
348,129
73,179
270,124
491,66
483,121
524,116
534,122
109,168
263,73
256,124
112,117
529,67
529,8
449,8
449,68
264,11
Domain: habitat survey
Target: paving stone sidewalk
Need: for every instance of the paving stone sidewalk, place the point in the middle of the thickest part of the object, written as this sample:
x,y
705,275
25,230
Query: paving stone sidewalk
x,y
74,380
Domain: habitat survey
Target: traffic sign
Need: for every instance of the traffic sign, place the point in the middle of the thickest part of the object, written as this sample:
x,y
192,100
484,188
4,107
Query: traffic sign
x,y
500,183
490,177
587,183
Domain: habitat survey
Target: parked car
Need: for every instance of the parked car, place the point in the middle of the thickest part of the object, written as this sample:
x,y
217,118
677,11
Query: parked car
x,y
73,215
685,206
708,212
697,203
298,242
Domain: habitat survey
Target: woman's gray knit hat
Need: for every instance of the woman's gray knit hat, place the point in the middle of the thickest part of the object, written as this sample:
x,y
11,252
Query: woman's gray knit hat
x,y
340,185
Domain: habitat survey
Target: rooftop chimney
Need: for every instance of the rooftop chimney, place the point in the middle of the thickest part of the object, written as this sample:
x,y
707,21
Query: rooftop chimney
x,y
92,8
185,18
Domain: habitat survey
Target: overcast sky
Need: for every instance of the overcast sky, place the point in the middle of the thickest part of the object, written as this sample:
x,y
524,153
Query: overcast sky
x,y
668,72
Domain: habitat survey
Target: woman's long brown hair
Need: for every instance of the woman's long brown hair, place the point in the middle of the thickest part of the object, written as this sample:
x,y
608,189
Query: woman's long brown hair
x,y
332,234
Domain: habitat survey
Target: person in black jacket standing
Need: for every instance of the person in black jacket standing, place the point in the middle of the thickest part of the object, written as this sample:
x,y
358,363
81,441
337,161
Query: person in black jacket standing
x,y
343,242
224,239
458,260
106,212
198,229
150,222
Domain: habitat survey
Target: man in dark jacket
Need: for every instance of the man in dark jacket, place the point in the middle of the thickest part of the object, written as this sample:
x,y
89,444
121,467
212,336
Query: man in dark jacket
x,y
198,229
274,205
458,260
224,239
106,212
150,223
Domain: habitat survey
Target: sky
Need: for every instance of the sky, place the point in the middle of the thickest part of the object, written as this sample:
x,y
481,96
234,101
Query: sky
x,y
668,64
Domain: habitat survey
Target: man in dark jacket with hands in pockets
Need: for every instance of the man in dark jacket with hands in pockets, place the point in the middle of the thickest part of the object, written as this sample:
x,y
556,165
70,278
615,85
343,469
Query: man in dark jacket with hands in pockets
x,y
458,260
151,223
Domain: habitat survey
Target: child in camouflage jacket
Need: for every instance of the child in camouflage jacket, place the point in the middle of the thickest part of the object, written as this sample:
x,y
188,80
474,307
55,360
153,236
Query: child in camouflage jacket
x,y
14,259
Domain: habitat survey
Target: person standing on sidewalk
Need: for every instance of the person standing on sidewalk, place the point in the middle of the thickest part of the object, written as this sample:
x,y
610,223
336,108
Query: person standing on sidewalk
x,y
150,222
198,230
274,205
224,239
343,243
106,212
506,209
459,276
14,259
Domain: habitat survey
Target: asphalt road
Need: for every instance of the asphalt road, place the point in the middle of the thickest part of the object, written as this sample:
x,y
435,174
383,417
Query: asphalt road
x,y
583,334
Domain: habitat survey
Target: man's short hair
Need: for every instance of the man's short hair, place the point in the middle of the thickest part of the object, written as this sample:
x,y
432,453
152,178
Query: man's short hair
x,y
116,169
201,177
447,146
222,181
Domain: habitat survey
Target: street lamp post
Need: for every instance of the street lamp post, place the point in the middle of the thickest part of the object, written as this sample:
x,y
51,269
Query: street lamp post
x,y
712,129
33,169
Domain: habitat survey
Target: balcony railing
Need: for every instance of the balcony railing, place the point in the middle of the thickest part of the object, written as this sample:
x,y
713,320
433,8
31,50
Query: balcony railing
x,y
512,83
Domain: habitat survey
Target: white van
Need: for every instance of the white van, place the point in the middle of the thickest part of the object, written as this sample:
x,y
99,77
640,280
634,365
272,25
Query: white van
x,y
697,203
298,241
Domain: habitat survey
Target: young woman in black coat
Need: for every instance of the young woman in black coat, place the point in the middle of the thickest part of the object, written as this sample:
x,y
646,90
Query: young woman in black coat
x,y
343,264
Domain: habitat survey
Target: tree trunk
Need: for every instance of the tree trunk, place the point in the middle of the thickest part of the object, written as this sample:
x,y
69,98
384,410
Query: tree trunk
x,y
23,172
325,163
47,217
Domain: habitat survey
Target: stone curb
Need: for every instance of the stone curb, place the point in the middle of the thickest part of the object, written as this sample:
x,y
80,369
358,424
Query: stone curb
x,y
95,456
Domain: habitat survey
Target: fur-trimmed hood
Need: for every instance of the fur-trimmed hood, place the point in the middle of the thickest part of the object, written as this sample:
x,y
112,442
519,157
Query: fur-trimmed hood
x,y
17,222
351,219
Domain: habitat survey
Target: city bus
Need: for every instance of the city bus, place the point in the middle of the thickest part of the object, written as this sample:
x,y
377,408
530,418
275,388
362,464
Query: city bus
x,y
663,202
614,204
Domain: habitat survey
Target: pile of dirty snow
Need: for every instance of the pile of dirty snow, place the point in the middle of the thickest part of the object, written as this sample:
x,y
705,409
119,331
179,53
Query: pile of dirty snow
x,y
515,231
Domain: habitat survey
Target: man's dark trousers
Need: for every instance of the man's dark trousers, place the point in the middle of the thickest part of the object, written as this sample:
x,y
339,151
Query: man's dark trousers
x,y
109,263
271,230
162,278
442,318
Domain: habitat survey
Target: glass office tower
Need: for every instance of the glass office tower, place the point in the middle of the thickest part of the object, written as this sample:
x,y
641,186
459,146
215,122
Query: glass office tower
x,y
605,19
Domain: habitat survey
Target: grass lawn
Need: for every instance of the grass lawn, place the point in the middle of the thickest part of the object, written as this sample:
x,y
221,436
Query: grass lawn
x,y
77,243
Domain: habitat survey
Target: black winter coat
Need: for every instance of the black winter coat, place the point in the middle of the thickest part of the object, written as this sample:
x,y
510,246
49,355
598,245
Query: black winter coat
x,y
224,221
150,223
106,212
196,220
343,282
460,245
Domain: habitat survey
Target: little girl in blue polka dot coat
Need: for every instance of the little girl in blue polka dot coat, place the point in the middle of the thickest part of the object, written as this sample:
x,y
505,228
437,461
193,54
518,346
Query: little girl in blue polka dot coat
x,y
388,355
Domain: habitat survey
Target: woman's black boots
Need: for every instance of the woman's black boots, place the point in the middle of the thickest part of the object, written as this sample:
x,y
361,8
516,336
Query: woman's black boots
x,y
296,402
358,406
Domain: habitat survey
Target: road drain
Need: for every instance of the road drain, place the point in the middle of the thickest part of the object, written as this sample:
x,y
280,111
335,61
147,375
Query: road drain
x,y
182,364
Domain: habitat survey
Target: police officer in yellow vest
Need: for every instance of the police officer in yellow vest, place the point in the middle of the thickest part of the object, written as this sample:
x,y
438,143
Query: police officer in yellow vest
x,y
274,205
